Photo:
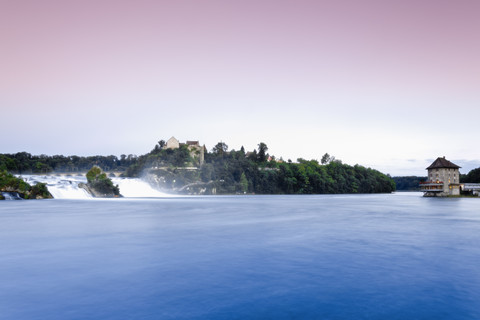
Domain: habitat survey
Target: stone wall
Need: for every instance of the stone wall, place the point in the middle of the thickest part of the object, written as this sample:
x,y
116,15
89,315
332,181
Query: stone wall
x,y
448,176
172,143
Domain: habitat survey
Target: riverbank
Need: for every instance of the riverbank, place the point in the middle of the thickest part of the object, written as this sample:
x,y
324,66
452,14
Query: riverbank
x,y
12,187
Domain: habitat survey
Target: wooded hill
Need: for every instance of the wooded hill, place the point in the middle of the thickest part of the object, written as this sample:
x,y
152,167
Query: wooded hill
x,y
257,172
227,171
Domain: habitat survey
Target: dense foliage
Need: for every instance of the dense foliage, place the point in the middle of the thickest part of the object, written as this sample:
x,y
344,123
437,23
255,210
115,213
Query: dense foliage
x,y
24,163
258,172
226,172
98,180
162,157
10,183
237,173
40,189
408,183
472,177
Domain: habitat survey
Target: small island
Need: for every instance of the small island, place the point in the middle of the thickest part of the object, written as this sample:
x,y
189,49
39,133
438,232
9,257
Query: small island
x,y
99,185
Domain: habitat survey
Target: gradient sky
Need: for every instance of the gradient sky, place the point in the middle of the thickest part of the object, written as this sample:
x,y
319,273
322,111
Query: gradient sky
x,y
386,84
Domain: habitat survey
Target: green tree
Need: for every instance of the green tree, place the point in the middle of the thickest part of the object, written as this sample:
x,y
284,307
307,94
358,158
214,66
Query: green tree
x,y
99,181
220,149
472,177
262,152
93,174
326,159
244,182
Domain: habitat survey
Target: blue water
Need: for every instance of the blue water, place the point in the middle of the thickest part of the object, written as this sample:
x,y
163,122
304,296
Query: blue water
x,y
395,256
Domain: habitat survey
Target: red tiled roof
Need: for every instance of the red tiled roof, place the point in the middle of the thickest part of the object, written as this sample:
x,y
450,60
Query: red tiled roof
x,y
442,163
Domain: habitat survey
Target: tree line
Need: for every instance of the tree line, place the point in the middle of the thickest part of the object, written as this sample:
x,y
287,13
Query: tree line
x,y
412,183
408,183
230,171
258,172
25,163
472,177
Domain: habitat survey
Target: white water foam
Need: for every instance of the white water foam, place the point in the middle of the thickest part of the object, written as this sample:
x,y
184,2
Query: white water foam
x,y
66,187
11,196
137,188
61,187
68,190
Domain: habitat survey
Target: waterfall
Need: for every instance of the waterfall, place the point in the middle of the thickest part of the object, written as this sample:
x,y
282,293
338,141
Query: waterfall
x,y
66,187
61,187
11,196
136,188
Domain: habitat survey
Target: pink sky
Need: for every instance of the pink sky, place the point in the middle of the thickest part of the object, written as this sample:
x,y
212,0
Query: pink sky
x,y
364,80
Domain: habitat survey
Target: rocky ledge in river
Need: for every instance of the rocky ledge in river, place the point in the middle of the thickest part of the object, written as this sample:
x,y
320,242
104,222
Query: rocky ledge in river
x,y
99,185
98,192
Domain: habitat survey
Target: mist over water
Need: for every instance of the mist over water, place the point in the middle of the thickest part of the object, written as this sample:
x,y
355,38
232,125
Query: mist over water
x,y
396,256
135,187
66,187
61,187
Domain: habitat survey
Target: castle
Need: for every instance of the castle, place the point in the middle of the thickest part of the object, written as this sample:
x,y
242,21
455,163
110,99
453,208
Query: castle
x,y
196,151
443,179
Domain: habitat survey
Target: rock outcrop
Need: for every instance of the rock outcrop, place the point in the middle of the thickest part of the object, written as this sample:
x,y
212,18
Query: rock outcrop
x,y
97,193
17,188
99,185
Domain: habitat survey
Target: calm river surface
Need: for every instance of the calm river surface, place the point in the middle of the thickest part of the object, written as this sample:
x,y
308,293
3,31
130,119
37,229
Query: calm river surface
x,y
396,256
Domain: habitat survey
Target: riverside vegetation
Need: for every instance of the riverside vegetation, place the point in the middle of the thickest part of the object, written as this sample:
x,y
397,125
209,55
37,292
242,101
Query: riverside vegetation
x,y
11,184
225,171
234,172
